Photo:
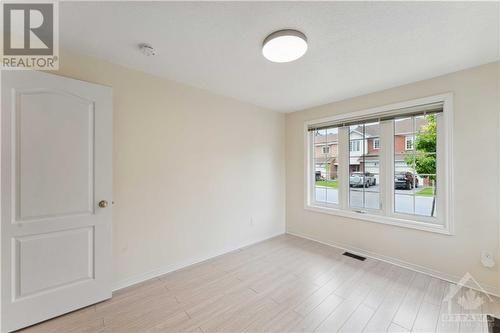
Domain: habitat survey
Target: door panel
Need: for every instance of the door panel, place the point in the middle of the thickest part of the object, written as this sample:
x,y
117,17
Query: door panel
x,y
63,116
53,260
56,167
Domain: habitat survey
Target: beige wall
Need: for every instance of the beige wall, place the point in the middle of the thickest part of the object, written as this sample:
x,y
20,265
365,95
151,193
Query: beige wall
x,y
476,179
191,169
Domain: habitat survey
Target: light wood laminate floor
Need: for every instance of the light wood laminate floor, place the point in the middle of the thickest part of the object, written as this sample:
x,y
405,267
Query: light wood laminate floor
x,y
285,284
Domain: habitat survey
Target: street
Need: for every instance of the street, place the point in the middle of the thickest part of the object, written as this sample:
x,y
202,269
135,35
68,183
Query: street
x,y
404,202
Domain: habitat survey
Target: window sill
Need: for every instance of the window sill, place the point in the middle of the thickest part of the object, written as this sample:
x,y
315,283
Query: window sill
x,y
418,225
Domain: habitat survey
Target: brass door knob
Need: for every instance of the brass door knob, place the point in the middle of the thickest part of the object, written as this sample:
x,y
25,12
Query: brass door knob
x,y
103,204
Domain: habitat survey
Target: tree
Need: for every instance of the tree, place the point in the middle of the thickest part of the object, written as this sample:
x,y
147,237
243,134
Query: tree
x,y
425,142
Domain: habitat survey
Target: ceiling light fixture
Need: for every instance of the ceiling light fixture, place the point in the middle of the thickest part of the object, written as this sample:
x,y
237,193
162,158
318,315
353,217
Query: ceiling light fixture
x,y
284,46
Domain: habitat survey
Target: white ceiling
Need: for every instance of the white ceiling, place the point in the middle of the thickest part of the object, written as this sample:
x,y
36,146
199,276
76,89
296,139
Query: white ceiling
x,y
354,47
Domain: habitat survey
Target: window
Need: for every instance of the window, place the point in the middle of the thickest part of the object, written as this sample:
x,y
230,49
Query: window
x,y
354,146
325,161
415,168
389,165
408,142
363,167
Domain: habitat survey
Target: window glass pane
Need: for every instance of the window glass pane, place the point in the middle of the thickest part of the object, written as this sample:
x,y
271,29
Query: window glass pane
x,y
320,136
364,166
320,194
403,203
403,126
356,198
415,165
332,134
404,163
404,173
326,166
372,197
425,195
372,130
425,163
332,193
425,133
319,175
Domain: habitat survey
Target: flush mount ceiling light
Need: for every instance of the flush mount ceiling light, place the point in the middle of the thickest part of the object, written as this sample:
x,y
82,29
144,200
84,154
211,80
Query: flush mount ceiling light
x,y
284,46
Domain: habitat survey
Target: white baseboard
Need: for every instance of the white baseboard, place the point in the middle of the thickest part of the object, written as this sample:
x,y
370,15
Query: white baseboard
x,y
176,266
394,261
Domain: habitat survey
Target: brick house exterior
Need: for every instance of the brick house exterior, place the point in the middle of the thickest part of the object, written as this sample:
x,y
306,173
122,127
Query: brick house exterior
x,y
364,155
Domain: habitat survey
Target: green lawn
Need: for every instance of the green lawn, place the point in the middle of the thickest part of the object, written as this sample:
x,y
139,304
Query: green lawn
x,y
426,192
328,183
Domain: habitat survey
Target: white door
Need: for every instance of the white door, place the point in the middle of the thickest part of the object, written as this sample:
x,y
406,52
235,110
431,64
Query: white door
x,y
56,154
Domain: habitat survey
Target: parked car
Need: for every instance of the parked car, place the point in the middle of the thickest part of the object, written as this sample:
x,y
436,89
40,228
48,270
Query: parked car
x,y
318,176
405,180
357,180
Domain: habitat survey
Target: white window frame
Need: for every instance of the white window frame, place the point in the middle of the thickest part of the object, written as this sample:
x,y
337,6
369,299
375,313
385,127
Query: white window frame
x,y
409,138
327,149
376,146
443,223
358,146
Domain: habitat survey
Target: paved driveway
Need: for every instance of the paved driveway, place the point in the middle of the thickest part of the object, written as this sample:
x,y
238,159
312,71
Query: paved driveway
x,y
404,201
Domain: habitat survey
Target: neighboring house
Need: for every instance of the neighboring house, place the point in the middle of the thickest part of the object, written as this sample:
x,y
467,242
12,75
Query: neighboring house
x,y
364,154
326,155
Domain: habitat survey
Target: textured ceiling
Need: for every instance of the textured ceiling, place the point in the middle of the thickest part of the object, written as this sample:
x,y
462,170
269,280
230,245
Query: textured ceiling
x,y
354,47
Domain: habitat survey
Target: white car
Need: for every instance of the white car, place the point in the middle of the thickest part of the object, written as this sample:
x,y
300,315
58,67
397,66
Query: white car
x,y
358,180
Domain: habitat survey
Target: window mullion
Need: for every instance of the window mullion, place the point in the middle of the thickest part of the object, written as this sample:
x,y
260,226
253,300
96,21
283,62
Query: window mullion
x,y
386,167
440,167
343,177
